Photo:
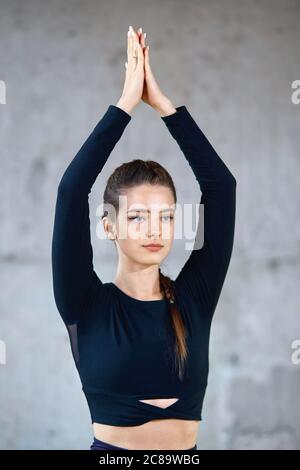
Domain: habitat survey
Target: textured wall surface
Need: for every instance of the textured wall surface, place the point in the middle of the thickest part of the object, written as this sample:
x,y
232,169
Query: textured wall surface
x,y
232,64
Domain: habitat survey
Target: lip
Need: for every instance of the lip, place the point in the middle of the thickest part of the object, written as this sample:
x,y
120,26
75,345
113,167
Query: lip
x,y
153,247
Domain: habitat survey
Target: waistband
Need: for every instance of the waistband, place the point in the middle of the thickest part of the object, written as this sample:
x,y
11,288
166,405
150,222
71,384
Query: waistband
x,y
101,445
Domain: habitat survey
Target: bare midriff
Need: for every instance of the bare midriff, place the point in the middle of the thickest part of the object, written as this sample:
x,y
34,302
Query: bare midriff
x,y
157,434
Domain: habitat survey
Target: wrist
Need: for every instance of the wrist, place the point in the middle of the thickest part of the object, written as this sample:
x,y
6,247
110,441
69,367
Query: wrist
x,y
165,107
126,105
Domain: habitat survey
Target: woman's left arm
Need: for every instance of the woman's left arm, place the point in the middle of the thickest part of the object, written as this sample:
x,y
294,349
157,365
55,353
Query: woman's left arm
x,y
204,272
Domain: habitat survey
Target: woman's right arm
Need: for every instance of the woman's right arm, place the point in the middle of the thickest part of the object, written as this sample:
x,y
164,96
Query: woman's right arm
x,y
74,280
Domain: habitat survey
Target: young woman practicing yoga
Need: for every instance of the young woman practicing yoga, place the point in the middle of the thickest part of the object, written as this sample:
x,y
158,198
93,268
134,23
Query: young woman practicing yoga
x,y
141,342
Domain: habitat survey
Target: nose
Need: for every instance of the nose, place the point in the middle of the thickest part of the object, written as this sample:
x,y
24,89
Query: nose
x,y
154,229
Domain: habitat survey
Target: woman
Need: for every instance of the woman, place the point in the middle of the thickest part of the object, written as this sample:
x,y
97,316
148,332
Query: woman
x,y
140,343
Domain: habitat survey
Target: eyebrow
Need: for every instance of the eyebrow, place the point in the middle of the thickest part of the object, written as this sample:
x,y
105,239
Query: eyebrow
x,y
148,210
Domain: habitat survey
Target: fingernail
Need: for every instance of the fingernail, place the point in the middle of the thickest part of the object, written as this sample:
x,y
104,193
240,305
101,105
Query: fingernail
x,y
145,35
130,28
140,30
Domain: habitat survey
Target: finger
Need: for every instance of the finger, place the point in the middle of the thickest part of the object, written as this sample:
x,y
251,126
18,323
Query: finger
x,y
140,55
128,41
144,47
135,34
142,40
135,53
146,55
140,32
131,53
141,37
129,45
135,40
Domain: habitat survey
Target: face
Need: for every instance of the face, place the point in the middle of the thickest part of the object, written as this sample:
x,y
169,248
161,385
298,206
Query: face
x,y
146,215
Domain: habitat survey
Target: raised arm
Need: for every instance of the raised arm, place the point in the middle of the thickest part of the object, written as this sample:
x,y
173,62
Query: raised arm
x,y
74,280
204,272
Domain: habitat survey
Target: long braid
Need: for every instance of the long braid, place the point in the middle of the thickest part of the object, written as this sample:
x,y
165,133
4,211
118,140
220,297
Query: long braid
x,y
181,351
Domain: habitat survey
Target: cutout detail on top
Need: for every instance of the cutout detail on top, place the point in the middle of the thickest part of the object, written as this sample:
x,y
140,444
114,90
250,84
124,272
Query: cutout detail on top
x,y
161,402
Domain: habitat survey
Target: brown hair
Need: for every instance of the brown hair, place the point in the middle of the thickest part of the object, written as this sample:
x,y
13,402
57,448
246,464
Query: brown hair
x,y
128,175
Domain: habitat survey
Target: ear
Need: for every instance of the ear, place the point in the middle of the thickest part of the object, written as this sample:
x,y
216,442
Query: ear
x,y
105,223
108,228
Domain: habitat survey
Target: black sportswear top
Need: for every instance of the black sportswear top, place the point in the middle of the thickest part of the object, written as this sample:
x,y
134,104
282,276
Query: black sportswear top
x,y
122,346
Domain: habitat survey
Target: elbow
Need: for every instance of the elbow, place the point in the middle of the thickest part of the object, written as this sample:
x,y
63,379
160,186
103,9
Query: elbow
x,y
230,180
66,189
70,186
233,181
63,187
226,178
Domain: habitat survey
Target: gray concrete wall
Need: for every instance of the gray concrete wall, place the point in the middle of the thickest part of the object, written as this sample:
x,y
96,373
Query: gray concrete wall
x,y
232,64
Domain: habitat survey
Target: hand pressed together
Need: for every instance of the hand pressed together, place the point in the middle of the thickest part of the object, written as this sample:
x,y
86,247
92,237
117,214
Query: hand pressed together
x,y
140,83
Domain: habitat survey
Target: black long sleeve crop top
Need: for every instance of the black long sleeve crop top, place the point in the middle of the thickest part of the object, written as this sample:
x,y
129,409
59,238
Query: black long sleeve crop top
x,y
122,346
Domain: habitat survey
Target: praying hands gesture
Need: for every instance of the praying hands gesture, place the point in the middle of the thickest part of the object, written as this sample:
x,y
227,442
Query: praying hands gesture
x,y
140,83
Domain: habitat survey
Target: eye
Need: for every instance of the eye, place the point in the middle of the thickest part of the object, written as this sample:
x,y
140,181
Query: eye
x,y
136,217
168,217
139,218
